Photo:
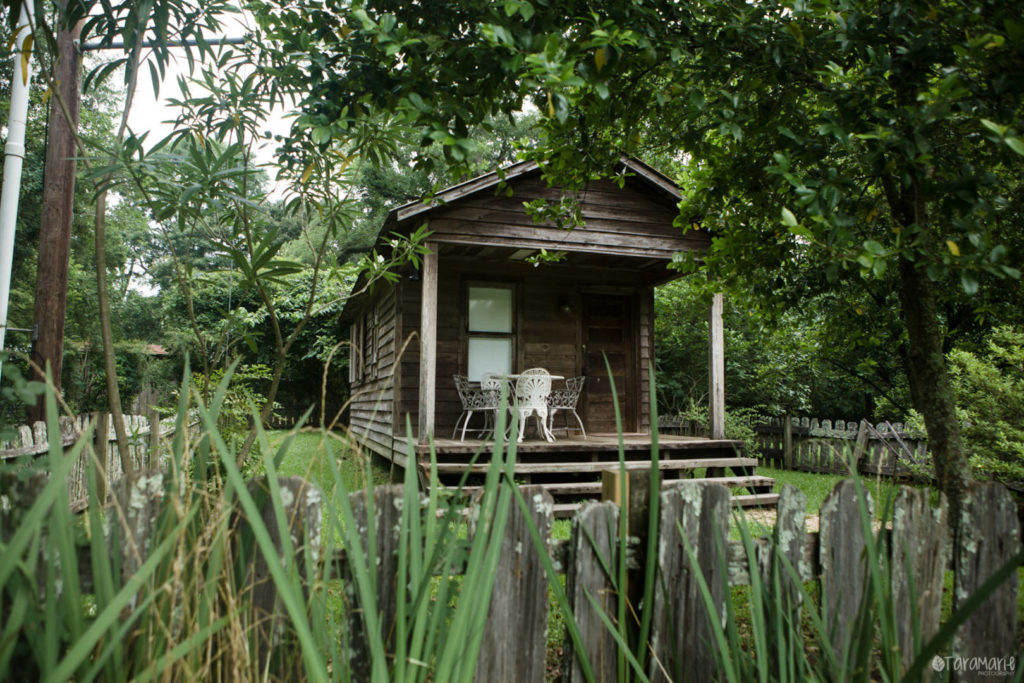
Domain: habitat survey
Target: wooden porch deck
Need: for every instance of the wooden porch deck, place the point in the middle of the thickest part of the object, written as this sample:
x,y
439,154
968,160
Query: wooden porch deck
x,y
605,446
571,467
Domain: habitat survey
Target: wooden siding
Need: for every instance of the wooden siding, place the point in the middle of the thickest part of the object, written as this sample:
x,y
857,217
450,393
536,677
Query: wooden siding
x,y
547,335
631,221
371,410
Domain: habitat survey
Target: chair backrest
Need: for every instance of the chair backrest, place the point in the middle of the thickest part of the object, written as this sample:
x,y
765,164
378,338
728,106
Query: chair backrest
x,y
568,397
533,387
489,380
462,386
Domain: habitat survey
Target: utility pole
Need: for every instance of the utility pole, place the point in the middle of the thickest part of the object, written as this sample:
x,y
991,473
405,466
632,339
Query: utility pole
x,y
14,154
57,212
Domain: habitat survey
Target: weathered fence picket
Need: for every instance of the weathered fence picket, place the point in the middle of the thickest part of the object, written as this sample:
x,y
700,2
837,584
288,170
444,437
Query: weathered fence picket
x,y
593,548
989,535
302,508
694,515
920,554
514,643
380,536
518,612
843,561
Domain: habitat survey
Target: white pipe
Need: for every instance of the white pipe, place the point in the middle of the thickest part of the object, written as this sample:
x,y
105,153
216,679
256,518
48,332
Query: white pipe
x,y
14,154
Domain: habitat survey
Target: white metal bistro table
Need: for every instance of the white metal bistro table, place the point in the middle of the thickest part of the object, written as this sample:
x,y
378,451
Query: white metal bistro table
x,y
532,404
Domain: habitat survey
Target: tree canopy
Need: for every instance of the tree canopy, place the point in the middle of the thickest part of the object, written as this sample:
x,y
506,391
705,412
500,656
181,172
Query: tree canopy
x,y
827,144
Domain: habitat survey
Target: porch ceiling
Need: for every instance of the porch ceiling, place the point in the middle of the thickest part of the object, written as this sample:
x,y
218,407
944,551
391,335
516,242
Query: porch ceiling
x,y
651,270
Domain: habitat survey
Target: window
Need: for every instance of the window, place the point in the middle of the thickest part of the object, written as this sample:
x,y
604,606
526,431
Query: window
x,y
491,330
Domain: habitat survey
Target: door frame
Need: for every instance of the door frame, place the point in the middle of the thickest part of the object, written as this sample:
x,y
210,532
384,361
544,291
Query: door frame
x,y
631,410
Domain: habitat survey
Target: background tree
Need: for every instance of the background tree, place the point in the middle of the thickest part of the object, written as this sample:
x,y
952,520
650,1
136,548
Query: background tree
x,y
825,141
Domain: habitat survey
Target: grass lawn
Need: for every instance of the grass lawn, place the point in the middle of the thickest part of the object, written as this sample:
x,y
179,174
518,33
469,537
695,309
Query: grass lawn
x,y
817,486
309,455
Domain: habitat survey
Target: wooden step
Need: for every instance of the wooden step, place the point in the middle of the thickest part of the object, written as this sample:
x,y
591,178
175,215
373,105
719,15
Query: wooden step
x,y
756,500
585,467
564,510
583,488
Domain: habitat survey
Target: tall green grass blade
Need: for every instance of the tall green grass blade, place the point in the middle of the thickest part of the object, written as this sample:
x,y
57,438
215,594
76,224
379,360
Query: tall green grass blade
x,y
653,521
555,585
61,529
113,647
624,647
32,521
289,592
103,580
622,606
960,615
197,639
110,614
721,644
343,517
757,595
13,621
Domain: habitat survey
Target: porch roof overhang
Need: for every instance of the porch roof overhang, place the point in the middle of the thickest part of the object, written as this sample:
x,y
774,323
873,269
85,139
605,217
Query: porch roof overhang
x,y
645,259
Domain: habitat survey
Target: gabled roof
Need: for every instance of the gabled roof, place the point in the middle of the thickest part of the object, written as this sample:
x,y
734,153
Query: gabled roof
x,y
651,176
401,218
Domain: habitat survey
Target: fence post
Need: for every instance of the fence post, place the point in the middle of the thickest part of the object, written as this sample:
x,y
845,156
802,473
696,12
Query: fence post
x,y
787,442
518,613
593,545
301,501
920,551
843,561
790,540
154,438
681,633
988,536
387,520
102,449
636,507
139,498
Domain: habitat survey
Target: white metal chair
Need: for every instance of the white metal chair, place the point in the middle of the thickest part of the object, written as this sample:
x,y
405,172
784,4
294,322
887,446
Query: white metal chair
x,y
481,400
532,390
566,400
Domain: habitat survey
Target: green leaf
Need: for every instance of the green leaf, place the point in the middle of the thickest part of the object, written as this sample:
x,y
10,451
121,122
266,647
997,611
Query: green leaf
x,y
788,219
1016,144
874,248
995,127
969,282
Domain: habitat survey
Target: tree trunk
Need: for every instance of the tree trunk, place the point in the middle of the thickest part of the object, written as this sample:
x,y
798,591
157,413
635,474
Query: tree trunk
x,y
930,386
57,214
107,335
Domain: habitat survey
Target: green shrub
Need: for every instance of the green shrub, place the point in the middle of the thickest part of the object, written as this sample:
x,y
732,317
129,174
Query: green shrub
x,y
990,404
740,424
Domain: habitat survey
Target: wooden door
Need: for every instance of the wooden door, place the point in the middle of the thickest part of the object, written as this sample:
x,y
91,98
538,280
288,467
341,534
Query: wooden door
x,y
607,333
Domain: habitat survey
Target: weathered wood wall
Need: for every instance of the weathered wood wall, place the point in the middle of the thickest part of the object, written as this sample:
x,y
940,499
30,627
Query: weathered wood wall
x,y
633,221
372,372
546,334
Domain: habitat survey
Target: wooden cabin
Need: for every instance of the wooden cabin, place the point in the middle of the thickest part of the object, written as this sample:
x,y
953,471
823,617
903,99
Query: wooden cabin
x,y
597,302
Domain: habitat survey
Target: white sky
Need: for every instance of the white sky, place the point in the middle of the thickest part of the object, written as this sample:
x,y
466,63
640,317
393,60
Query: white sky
x,y
152,112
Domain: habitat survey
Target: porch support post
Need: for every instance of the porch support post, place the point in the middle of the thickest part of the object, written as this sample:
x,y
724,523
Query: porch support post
x,y
428,343
716,370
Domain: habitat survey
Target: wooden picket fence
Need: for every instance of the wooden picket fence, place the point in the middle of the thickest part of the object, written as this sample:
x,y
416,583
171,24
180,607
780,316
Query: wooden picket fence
x,y
812,445
515,640
820,445
145,434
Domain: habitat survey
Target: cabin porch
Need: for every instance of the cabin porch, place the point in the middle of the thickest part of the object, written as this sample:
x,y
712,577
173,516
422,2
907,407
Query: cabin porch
x,y
571,468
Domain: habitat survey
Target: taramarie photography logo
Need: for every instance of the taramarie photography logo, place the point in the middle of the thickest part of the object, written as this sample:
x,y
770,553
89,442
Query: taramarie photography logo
x,y
980,666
